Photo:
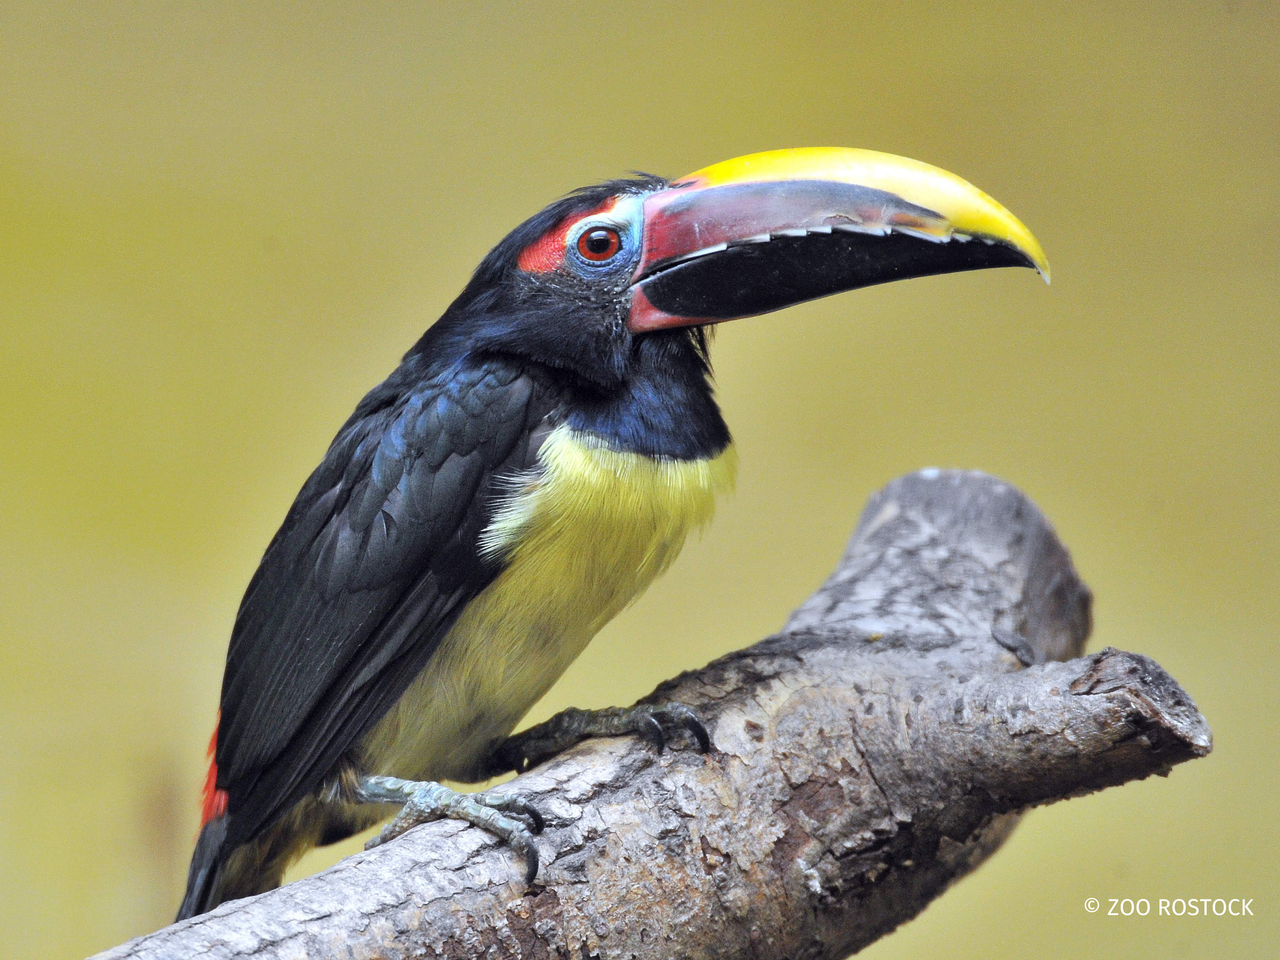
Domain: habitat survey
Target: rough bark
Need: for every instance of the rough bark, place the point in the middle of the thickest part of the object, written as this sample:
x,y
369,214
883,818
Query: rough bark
x,y
878,748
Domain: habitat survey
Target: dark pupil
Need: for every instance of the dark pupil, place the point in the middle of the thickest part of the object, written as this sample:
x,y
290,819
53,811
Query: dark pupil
x,y
599,242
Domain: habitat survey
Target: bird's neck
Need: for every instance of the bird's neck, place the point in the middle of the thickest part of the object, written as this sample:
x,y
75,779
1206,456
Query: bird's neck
x,y
664,407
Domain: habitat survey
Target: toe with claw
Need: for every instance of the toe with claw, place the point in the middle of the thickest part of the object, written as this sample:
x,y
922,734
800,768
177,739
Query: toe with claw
x,y
656,724
501,814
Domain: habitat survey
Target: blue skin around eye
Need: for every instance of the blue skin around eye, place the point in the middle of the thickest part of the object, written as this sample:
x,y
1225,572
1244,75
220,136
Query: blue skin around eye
x,y
623,259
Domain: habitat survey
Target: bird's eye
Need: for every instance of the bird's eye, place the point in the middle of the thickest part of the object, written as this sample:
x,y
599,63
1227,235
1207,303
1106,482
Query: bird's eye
x,y
599,244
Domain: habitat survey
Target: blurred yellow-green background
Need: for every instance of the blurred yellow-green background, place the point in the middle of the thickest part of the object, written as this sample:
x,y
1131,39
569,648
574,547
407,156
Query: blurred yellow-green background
x,y
220,223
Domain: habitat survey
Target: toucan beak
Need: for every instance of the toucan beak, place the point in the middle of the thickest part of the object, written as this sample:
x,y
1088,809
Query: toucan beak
x,y
768,230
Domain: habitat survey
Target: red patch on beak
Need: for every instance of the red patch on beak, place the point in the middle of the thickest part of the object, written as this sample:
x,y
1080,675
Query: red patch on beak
x,y
214,802
547,252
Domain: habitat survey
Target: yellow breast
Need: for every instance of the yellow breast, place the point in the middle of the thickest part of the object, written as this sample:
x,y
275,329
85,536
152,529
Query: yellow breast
x,y
581,538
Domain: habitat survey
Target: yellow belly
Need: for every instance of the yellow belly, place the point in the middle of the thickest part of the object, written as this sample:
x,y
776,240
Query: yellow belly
x,y
582,538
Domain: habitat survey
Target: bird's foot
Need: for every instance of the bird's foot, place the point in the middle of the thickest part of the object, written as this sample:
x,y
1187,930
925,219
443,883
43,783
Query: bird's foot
x,y
655,724
424,801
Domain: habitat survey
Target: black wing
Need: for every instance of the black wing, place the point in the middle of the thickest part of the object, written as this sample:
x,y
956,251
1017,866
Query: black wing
x,y
375,560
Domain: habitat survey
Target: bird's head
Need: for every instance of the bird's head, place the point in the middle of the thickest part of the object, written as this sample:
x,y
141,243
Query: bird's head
x,y
587,283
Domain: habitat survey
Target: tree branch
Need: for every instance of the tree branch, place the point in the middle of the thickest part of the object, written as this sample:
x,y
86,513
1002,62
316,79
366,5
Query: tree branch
x,y
878,748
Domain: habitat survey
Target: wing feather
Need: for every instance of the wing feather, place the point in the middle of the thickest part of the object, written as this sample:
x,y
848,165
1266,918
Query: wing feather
x,y
374,561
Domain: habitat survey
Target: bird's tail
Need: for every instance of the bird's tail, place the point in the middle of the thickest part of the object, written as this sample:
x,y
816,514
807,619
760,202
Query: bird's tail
x,y
206,866
224,868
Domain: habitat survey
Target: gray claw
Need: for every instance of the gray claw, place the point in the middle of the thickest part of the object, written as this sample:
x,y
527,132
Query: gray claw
x,y
678,713
691,723
530,864
648,727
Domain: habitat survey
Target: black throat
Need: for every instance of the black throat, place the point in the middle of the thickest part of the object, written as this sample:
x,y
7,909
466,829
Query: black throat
x,y
664,405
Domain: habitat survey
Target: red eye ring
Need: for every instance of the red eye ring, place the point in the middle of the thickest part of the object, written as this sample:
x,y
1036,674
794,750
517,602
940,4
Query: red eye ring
x,y
599,244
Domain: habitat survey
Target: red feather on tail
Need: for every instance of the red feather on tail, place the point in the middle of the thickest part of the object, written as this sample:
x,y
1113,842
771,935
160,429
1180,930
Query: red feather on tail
x,y
214,801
